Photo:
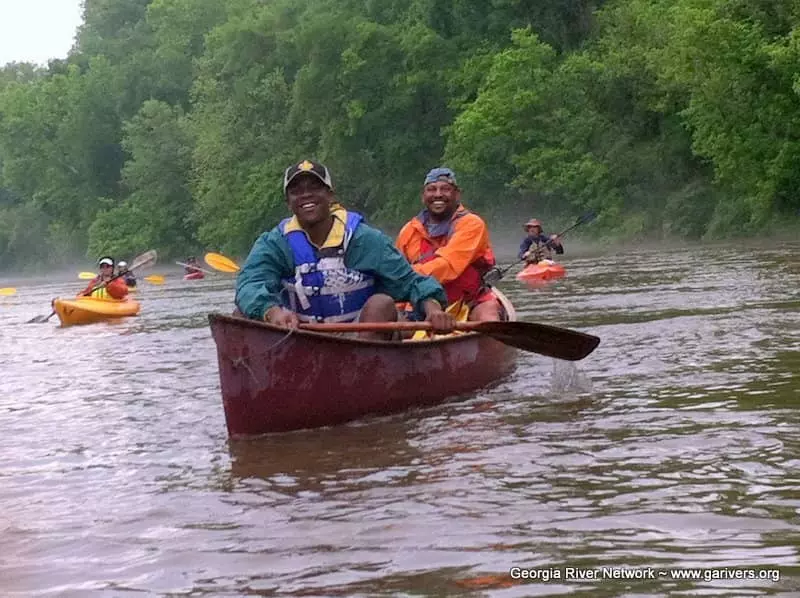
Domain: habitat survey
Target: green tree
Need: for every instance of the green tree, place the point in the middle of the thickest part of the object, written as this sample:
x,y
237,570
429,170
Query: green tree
x,y
157,209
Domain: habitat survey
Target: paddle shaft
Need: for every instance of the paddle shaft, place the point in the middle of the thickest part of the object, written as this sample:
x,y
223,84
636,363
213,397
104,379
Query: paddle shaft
x,y
381,326
198,268
104,283
37,318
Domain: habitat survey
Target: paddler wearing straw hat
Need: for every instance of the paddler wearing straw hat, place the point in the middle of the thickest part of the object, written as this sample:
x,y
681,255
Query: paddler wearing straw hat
x,y
537,246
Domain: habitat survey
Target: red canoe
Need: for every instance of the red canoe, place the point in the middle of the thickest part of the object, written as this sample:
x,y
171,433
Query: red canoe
x,y
272,381
544,270
194,276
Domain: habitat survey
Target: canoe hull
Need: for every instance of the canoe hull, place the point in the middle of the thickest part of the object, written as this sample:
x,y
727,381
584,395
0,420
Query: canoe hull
x,y
272,381
194,276
88,310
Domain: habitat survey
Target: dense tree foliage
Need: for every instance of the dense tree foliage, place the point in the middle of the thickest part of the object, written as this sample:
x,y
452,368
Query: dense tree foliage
x,y
171,121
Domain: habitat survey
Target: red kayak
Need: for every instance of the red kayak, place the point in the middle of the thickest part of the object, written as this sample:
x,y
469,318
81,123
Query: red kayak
x,y
194,276
274,381
544,270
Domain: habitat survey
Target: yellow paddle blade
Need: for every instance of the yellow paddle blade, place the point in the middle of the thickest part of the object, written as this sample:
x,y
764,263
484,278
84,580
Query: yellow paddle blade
x,y
459,310
86,275
8,291
221,263
155,279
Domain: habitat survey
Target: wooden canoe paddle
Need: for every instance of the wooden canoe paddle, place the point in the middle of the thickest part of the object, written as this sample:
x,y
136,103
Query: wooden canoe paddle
x,y
551,341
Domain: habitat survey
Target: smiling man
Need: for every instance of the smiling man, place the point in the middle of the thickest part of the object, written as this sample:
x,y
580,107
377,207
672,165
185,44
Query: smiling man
x,y
450,243
104,285
324,264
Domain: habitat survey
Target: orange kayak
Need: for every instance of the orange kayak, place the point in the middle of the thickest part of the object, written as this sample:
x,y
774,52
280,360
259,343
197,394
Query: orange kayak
x,y
87,310
544,270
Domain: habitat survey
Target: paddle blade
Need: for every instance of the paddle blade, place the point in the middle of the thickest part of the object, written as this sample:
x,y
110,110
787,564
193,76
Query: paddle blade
x,y
86,275
221,263
155,279
495,274
8,291
145,260
41,319
551,341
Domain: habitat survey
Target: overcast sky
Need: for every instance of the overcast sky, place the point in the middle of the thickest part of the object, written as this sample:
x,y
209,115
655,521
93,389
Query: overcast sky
x,y
37,30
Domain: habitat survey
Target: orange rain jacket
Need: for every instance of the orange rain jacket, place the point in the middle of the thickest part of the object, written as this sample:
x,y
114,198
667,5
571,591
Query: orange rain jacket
x,y
458,258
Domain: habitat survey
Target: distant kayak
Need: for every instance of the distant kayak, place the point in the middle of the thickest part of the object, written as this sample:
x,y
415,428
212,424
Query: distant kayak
x,y
194,276
544,270
87,310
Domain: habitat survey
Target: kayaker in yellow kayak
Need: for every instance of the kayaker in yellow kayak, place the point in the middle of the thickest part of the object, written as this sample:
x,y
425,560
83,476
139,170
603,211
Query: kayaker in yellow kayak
x,y
101,286
537,246
324,264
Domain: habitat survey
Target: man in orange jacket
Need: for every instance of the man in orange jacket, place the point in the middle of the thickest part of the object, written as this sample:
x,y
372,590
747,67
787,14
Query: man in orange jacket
x,y
450,243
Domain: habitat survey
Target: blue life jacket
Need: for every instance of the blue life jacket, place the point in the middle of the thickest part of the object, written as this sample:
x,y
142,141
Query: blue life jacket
x,y
323,289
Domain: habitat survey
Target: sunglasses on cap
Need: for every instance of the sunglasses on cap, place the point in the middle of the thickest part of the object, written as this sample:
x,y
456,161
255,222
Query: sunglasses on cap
x,y
441,174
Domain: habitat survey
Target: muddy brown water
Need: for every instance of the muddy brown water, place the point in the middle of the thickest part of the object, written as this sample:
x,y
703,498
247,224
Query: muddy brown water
x,y
674,447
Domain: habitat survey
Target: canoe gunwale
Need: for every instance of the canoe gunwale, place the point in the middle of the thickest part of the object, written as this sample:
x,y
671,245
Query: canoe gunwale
x,y
336,339
327,338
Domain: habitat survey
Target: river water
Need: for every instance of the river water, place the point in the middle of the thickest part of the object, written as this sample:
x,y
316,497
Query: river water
x,y
674,447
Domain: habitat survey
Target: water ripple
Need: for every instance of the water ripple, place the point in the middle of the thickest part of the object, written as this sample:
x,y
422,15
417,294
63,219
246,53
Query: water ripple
x,y
674,445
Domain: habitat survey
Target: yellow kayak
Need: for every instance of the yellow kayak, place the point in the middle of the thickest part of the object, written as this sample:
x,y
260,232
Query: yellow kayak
x,y
86,310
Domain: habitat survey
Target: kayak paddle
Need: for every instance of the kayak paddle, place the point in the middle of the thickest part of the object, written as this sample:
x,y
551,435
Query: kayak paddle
x,y
154,278
221,263
551,341
143,261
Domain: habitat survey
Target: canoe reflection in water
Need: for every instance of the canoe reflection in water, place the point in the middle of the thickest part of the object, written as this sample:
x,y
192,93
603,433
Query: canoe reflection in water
x,y
310,457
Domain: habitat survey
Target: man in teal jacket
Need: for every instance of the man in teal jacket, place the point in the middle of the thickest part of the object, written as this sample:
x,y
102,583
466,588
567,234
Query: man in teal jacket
x,y
324,264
